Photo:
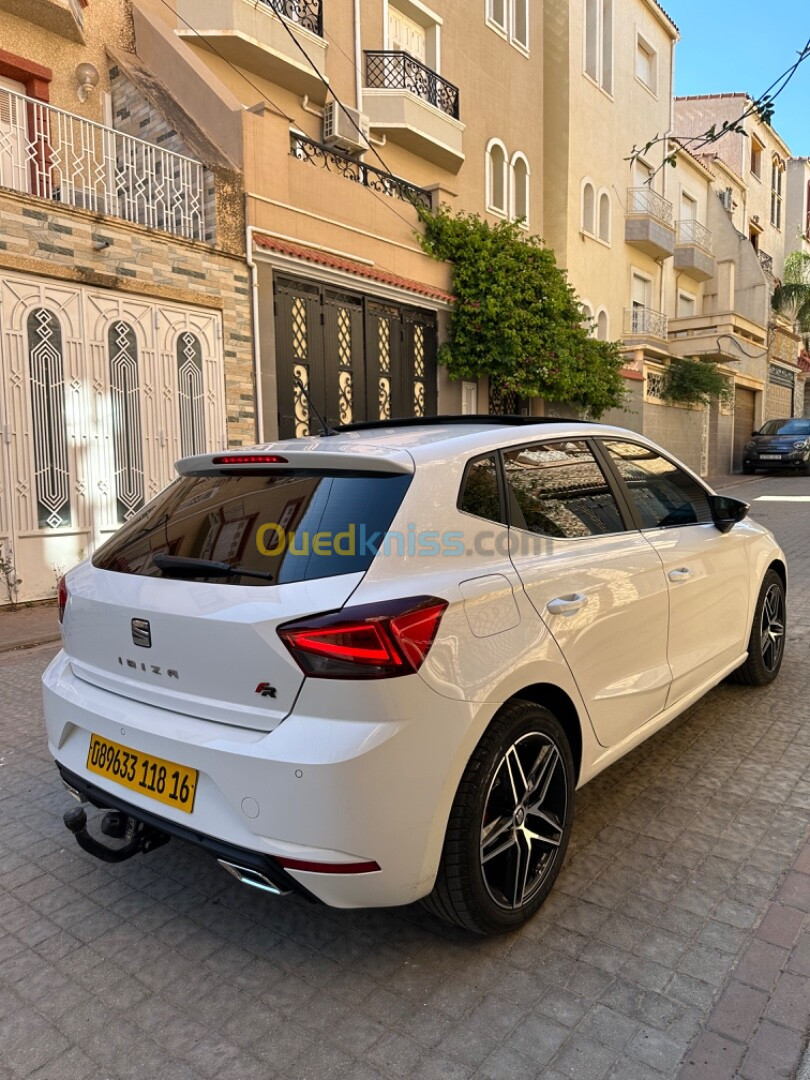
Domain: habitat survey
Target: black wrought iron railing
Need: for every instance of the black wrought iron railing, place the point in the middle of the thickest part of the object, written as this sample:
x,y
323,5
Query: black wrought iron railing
x,y
307,13
335,161
765,261
401,71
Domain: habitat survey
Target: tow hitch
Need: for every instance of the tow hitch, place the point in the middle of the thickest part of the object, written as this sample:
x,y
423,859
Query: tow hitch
x,y
137,836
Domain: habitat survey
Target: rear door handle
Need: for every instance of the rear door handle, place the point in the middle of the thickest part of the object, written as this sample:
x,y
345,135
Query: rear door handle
x,y
681,574
567,605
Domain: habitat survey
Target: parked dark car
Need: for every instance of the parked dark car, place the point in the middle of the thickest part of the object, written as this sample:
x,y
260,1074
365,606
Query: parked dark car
x,y
779,444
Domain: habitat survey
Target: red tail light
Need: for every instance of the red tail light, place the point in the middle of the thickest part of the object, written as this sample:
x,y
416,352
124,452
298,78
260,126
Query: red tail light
x,y
62,594
249,459
377,641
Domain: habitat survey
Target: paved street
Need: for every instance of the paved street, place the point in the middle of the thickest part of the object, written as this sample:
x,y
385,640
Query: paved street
x,y
671,946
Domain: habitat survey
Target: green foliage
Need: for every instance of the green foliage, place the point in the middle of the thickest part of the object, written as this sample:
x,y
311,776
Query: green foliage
x,y
694,382
516,319
792,296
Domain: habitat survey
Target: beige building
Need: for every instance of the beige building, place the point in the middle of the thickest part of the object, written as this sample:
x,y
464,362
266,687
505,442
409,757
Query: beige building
x,y
797,208
124,294
349,116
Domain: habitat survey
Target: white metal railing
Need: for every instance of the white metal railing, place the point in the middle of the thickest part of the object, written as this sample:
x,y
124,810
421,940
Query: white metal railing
x,y
56,155
639,321
643,200
690,231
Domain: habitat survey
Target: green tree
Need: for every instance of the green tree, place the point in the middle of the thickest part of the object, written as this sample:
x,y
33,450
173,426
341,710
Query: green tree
x,y
791,298
515,317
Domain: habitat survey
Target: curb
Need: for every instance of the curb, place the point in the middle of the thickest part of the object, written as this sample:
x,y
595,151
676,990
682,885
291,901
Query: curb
x,y
11,646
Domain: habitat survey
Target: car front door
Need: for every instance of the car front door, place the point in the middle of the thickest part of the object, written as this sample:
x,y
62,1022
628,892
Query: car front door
x,y
707,571
597,585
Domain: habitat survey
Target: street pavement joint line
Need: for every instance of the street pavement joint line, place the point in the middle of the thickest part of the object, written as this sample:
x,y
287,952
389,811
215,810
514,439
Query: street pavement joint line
x,y
782,498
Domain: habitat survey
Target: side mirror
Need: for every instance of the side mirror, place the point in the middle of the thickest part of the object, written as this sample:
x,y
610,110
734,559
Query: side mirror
x,y
726,512
755,433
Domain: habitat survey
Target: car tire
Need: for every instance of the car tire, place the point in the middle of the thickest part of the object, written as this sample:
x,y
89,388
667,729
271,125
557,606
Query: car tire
x,y
766,644
748,469
509,825
804,468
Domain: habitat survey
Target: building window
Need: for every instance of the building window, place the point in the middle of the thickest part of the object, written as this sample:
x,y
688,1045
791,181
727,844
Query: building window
x,y
496,14
588,208
520,188
496,177
122,347
190,381
604,217
519,32
687,305
602,325
646,64
756,157
777,180
587,316
599,42
510,18
48,406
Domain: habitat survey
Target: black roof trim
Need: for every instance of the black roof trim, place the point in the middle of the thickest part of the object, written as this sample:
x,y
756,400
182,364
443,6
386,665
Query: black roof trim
x,y
470,418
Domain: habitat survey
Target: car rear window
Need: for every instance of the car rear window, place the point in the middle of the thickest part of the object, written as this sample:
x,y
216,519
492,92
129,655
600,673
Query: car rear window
x,y
292,525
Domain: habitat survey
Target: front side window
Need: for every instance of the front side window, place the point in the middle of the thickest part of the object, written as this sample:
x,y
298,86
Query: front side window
x,y
479,490
557,489
662,494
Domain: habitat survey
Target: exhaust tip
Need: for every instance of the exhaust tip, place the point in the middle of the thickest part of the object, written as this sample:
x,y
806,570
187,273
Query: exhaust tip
x,y
246,876
77,795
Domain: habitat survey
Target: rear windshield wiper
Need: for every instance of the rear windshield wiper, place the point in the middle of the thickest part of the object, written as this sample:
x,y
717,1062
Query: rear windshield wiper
x,y
180,566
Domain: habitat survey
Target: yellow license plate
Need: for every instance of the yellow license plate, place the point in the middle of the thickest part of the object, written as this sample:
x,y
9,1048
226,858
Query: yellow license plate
x,y
166,781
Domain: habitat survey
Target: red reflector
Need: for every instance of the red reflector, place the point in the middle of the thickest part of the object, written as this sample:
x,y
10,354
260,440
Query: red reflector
x,y
250,459
375,641
62,594
328,867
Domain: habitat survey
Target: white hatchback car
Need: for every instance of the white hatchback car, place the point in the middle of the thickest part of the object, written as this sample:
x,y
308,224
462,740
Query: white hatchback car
x,y
373,667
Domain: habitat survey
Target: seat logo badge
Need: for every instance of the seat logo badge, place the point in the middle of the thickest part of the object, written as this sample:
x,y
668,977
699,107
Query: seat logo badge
x,y
142,633
266,690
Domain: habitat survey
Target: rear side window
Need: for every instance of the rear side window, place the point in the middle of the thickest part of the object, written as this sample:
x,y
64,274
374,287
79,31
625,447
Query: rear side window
x,y
558,489
663,495
293,525
479,490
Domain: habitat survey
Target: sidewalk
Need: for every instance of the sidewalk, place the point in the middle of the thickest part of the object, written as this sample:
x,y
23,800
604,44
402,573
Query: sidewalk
x,y
27,626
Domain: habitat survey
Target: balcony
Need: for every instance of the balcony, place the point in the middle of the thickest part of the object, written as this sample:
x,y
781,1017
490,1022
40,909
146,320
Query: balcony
x,y
340,164
694,250
55,155
722,336
765,261
62,17
644,325
263,36
414,107
648,223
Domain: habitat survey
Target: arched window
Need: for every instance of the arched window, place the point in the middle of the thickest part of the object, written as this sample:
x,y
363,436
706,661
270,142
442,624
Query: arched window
x,y
602,325
777,176
587,315
496,176
51,469
190,394
520,187
588,207
122,346
604,217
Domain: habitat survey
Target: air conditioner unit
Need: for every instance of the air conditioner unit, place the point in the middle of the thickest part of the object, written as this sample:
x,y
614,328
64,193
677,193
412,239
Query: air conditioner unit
x,y
342,132
727,198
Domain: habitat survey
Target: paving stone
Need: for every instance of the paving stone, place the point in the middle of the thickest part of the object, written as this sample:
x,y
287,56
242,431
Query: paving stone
x,y
712,1057
781,925
774,1052
761,964
790,1003
737,1011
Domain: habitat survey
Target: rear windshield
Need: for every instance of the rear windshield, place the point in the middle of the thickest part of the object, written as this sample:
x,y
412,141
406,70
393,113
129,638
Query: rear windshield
x,y
282,526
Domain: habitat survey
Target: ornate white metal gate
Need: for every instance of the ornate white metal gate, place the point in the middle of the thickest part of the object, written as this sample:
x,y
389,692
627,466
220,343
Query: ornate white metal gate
x,y
100,393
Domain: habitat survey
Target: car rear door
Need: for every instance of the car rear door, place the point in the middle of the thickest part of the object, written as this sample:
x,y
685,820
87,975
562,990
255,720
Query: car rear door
x,y
593,579
707,571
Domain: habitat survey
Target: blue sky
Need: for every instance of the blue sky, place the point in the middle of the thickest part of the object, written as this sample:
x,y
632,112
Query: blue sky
x,y
742,45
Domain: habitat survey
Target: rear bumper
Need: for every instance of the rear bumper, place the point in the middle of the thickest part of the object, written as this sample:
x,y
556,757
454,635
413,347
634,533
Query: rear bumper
x,y
351,776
